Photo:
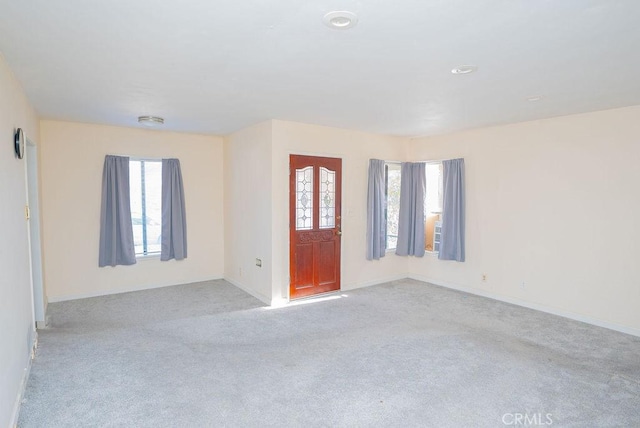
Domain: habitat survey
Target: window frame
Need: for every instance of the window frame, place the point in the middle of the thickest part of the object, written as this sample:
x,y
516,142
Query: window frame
x,y
389,249
440,196
386,202
143,207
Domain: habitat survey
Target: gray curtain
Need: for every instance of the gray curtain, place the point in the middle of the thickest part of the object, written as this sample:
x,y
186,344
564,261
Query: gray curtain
x,y
116,231
452,238
376,219
411,218
174,221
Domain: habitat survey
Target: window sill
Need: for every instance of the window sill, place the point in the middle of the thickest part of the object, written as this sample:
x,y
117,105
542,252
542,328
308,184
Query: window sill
x,y
426,252
148,257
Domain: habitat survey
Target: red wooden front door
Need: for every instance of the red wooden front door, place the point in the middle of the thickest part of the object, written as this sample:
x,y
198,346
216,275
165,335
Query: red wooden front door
x,y
315,187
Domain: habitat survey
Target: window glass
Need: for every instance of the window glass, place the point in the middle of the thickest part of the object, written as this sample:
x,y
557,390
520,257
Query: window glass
x,y
392,191
433,207
327,198
145,184
304,198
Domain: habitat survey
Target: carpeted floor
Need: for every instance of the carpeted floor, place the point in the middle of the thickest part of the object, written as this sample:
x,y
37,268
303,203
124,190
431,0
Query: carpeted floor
x,y
399,354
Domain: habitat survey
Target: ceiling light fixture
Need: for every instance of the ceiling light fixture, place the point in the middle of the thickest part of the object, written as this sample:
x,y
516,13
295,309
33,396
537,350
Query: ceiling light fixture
x,y
534,98
464,69
150,120
340,20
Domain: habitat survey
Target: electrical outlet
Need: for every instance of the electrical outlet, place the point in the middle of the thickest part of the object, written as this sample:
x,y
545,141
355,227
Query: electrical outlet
x,y
484,277
259,262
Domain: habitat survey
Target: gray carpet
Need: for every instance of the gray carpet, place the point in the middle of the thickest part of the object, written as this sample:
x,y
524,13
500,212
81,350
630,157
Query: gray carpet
x,y
400,354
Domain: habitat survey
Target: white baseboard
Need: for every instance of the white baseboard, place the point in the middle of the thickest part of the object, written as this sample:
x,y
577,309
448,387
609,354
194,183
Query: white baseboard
x,y
15,414
346,287
279,302
264,299
377,281
530,305
62,298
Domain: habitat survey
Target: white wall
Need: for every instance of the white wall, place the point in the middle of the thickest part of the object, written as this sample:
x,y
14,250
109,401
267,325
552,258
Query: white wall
x,y
16,319
248,213
552,204
355,148
72,157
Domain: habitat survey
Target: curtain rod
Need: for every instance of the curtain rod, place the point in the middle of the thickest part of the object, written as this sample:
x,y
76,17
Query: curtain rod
x,y
145,158
139,158
436,160
430,161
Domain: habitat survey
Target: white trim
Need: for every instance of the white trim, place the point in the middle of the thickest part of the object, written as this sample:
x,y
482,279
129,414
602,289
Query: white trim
x,y
38,295
15,414
65,297
429,162
343,289
145,159
347,287
152,256
313,155
138,158
535,306
264,299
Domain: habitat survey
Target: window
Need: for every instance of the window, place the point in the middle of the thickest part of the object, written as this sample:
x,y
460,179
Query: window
x,y
145,183
304,198
433,204
433,207
327,198
392,208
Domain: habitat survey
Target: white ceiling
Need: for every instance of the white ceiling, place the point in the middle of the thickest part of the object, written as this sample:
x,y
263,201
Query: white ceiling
x,y
218,66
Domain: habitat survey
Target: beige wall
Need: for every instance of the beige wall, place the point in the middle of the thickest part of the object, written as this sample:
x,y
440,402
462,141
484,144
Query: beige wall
x,y
16,320
257,204
247,206
72,157
553,205
355,149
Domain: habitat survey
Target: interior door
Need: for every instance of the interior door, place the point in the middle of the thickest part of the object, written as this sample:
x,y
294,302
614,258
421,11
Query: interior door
x,y
39,306
315,187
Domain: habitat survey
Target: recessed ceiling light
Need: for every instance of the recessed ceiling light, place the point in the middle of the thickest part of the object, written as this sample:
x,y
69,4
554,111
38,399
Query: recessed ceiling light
x,y
151,120
464,69
340,20
534,98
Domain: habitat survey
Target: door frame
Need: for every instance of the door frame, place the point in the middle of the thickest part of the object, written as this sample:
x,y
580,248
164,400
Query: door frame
x,y
291,223
34,234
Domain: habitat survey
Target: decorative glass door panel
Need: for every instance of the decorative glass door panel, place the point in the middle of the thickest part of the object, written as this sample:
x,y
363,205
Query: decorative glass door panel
x,y
327,198
304,198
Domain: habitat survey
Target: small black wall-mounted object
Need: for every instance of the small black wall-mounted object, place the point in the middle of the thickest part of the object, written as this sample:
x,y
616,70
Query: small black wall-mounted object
x,y
18,143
